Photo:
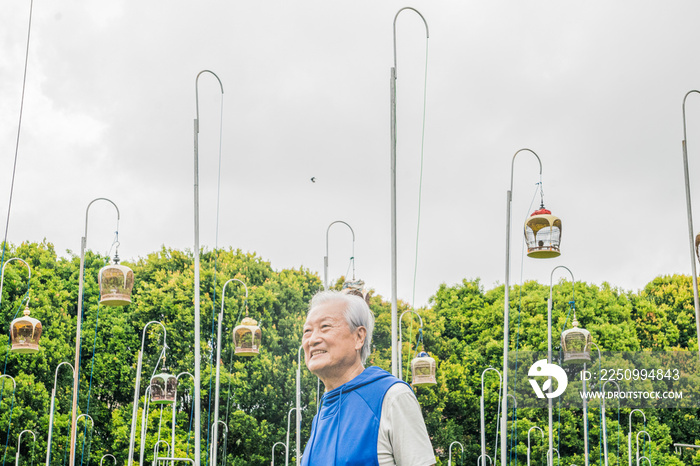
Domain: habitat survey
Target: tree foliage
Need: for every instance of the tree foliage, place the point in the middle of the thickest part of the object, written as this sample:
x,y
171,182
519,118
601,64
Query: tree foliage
x,y
462,330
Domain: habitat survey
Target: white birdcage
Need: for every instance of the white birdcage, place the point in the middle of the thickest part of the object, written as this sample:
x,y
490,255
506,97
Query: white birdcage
x,y
116,282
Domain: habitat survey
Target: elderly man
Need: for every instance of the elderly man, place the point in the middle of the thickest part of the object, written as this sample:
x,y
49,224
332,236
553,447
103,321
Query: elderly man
x,y
367,416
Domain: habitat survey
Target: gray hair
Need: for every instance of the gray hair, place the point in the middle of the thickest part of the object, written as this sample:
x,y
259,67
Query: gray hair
x,y
357,314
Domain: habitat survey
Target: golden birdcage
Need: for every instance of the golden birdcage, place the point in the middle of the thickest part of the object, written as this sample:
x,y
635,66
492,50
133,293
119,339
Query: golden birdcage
x,y
25,332
246,337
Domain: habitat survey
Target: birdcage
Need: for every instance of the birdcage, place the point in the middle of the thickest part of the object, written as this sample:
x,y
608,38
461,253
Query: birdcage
x,y
357,288
423,370
25,332
116,282
576,344
163,388
543,234
246,337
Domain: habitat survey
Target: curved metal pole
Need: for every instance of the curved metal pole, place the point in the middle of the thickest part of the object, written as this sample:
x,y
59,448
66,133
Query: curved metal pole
x,y
14,385
550,305
79,320
144,423
273,451
629,435
643,458
172,443
214,427
394,293
298,406
19,443
87,416
225,426
585,411
605,424
528,441
482,410
213,462
137,386
14,389
449,455
2,273
696,300
55,375
550,456
173,459
289,422
51,410
515,404
196,92
156,448
105,456
325,258
197,343
506,307
401,339
482,460
427,32
648,436
225,451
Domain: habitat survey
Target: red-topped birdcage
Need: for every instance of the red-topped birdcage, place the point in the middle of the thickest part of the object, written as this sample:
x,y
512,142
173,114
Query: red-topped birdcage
x,y
423,370
25,332
246,337
543,234
116,282
163,388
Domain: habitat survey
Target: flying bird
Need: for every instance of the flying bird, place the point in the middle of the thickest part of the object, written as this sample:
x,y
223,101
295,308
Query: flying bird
x,y
313,179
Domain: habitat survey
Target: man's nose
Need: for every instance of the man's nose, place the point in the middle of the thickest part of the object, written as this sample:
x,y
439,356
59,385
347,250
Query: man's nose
x,y
314,337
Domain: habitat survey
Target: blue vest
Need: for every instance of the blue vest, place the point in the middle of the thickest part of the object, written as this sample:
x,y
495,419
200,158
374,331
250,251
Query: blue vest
x,y
345,430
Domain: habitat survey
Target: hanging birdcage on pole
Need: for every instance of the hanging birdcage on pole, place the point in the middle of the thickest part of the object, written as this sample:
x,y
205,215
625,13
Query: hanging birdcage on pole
x,y
116,282
576,343
423,366
163,388
543,234
357,288
25,332
247,337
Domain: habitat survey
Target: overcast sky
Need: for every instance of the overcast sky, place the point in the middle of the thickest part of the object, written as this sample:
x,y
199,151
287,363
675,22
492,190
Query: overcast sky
x,y
594,88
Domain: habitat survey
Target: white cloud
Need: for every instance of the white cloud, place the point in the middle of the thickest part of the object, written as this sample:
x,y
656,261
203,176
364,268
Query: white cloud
x,y
594,89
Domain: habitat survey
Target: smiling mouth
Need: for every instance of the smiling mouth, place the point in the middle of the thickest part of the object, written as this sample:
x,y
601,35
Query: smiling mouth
x,y
317,352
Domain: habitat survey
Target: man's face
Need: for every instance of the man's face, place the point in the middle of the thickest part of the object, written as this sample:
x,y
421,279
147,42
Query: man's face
x,y
329,345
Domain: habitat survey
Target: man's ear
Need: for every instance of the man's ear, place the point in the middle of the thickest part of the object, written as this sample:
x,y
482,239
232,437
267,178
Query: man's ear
x,y
361,335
